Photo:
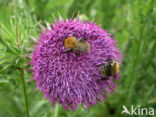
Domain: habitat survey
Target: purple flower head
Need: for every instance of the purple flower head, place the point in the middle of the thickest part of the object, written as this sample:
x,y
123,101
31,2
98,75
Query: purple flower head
x,y
70,78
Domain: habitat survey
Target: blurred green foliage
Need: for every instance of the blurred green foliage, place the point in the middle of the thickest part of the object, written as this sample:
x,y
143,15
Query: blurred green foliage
x,y
133,22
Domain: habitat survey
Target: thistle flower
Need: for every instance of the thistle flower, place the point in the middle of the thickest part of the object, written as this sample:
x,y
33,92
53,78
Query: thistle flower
x,y
72,78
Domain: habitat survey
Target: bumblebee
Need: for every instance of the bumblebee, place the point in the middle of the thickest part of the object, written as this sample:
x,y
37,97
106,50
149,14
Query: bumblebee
x,y
81,45
109,69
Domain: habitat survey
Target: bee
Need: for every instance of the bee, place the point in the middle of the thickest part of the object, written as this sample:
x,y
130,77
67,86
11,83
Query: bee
x,y
109,69
81,45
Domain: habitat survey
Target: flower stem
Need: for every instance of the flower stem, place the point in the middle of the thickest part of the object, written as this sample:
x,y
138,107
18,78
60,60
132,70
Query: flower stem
x,y
16,25
20,68
24,91
56,110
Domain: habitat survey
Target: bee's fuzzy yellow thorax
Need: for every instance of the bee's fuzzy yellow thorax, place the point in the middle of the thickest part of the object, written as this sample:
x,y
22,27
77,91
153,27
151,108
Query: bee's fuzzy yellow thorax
x,y
70,42
116,66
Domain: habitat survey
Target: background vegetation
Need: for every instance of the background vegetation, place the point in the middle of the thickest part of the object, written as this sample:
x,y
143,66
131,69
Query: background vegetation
x,y
133,22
